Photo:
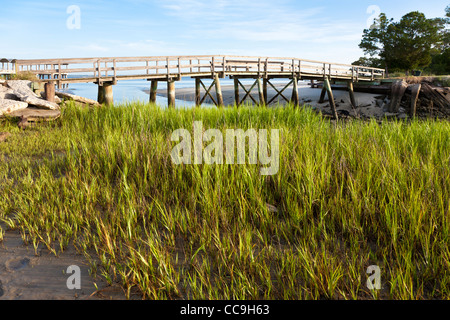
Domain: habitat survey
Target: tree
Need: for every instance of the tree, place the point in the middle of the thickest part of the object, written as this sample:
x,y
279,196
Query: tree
x,y
371,62
404,45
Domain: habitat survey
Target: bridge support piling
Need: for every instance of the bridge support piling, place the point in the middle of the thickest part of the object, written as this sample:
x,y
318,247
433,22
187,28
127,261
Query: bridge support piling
x,y
171,93
198,97
322,93
295,97
262,101
327,86
265,80
153,89
351,92
50,91
105,93
218,90
236,92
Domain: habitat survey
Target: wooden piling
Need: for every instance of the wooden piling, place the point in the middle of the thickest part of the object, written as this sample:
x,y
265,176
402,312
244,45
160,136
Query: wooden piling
x,y
153,89
295,97
327,86
262,101
236,92
50,91
171,93
197,92
322,93
218,90
265,80
105,93
351,92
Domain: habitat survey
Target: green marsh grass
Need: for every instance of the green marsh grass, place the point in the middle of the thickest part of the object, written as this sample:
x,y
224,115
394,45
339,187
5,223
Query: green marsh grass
x,y
346,197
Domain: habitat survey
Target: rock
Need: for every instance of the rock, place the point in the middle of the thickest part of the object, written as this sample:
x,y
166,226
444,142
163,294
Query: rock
x,y
22,89
344,113
7,106
7,93
35,101
402,116
401,110
390,115
21,85
379,103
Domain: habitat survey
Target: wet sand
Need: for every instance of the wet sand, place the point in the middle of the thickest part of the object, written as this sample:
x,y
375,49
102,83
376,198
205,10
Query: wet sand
x,y
367,105
29,275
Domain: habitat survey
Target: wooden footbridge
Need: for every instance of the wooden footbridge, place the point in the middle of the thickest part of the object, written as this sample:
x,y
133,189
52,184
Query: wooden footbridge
x,y
107,71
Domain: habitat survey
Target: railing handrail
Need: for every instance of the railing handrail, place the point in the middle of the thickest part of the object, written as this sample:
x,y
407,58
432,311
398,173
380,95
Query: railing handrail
x,y
183,57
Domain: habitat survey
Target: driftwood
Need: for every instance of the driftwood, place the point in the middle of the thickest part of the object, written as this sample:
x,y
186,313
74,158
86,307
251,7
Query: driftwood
x,y
64,95
440,100
415,90
397,92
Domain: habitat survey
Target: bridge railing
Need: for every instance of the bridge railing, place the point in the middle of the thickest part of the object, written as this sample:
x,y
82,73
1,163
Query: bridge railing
x,y
120,68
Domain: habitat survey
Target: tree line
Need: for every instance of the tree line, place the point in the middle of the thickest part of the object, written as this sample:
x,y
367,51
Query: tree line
x,y
414,43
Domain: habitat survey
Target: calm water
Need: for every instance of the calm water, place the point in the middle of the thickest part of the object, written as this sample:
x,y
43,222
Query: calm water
x,y
133,90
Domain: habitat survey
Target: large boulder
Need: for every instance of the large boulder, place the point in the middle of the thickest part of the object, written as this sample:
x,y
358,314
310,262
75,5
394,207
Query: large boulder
x,y
7,106
7,93
22,89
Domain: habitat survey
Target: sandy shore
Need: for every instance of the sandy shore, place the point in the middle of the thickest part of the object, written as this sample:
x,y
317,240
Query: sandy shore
x,y
367,102
29,275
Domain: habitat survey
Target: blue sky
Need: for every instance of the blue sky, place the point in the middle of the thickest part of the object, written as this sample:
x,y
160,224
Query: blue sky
x,y
321,30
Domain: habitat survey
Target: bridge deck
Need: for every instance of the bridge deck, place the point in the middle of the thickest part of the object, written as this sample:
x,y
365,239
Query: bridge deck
x,y
99,70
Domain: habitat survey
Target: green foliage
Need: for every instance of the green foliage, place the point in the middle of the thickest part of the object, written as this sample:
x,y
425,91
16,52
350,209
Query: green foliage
x,y
407,44
370,62
24,75
346,197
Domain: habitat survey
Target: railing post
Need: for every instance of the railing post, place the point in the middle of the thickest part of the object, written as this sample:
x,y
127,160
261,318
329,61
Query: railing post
x,y
167,67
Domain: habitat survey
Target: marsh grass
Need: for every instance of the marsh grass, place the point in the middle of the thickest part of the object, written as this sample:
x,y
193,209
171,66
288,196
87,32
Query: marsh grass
x,y
346,197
